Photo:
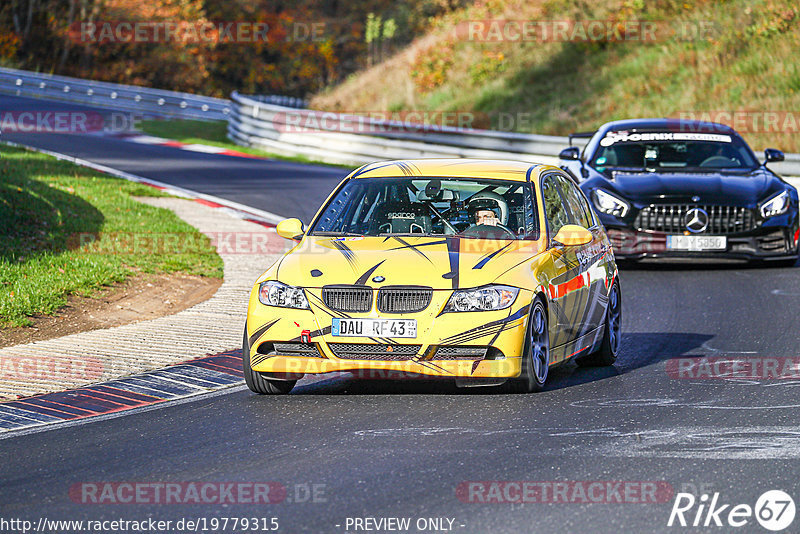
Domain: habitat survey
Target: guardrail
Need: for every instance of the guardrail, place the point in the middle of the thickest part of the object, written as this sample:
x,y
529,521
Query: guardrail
x,y
113,96
268,122
256,123
259,123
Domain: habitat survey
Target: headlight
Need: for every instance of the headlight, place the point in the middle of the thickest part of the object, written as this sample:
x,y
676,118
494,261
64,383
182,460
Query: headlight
x,y
608,203
277,294
481,299
776,205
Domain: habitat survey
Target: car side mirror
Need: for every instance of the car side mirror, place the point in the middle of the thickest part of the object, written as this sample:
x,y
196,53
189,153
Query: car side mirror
x,y
572,235
290,229
773,154
569,153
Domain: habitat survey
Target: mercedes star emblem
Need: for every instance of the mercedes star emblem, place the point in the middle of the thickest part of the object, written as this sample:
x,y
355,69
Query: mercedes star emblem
x,y
696,220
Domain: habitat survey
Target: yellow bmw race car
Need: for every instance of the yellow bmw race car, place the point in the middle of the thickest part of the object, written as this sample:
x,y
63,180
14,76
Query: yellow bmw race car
x,y
480,271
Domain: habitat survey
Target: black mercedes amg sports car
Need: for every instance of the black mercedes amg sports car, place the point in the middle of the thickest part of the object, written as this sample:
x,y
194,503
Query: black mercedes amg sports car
x,y
677,188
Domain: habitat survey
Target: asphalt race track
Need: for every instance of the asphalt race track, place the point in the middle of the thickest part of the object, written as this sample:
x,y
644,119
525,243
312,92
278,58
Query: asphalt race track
x,y
380,449
276,186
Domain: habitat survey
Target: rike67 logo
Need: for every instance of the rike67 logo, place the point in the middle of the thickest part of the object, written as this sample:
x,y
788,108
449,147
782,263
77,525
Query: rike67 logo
x,y
774,510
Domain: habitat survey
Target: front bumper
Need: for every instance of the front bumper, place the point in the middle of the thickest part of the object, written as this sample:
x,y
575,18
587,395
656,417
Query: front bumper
x,y
408,369
296,342
765,243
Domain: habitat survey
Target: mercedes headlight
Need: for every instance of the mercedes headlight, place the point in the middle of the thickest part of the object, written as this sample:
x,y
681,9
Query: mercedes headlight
x,y
274,293
608,203
488,298
776,205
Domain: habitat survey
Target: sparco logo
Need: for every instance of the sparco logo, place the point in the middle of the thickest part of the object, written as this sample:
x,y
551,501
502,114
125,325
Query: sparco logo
x,y
696,220
774,510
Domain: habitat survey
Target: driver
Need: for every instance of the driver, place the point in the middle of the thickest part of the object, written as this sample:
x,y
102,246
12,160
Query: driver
x,y
488,208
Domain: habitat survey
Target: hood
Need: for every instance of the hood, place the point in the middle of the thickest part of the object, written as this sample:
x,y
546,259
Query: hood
x,y
745,189
438,262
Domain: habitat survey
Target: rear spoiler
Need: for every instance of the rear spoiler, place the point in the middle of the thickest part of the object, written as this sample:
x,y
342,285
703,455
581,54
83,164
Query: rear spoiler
x,y
580,135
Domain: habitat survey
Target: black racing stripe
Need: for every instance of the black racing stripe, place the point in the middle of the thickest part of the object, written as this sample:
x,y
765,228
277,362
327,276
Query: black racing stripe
x,y
482,328
475,365
363,278
529,258
453,246
344,249
258,333
402,167
259,358
418,245
406,244
370,167
488,257
499,331
472,336
412,169
433,366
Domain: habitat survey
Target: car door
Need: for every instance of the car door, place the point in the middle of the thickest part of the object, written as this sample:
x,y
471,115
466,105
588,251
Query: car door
x,y
565,288
591,272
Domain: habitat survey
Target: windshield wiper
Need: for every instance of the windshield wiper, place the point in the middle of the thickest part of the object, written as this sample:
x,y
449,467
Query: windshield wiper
x,y
407,234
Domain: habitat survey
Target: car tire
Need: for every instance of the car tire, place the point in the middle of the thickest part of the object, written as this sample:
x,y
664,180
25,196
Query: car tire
x,y
609,348
256,381
536,352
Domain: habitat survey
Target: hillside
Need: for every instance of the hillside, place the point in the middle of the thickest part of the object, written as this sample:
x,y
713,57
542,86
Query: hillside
x,y
734,55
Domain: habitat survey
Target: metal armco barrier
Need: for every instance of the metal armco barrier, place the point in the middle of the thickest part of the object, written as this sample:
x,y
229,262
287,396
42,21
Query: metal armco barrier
x,y
114,96
265,121
257,122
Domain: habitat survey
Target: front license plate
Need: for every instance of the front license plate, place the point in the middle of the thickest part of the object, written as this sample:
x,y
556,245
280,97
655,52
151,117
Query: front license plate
x,y
374,327
696,243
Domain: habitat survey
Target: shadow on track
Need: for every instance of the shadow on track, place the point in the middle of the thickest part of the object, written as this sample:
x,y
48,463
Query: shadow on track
x,y
638,350
699,264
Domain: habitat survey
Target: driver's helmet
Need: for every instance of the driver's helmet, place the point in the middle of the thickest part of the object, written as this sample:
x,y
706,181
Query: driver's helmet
x,y
488,200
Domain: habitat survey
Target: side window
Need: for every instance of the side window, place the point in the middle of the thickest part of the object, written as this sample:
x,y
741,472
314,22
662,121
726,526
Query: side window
x,y
576,202
591,221
553,205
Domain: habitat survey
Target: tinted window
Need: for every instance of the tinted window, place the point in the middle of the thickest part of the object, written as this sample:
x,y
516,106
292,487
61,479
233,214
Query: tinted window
x,y
672,150
575,201
554,209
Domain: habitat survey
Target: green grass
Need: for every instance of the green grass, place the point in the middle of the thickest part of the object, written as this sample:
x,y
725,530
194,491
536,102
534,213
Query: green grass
x,y
66,230
747,61
213,133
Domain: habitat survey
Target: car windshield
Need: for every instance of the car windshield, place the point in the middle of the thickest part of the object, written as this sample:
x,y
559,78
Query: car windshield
x,y
699,152
471,208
